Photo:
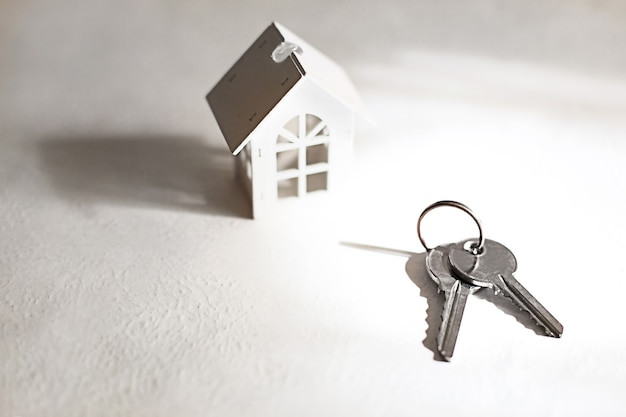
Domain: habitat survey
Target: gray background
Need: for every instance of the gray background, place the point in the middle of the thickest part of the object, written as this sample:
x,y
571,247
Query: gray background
x,y
132,282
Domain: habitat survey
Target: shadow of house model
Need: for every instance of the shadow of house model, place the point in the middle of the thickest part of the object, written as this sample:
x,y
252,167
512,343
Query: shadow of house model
x,y
287,113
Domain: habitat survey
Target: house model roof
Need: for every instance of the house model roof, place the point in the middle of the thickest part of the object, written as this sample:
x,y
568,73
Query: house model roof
x,y
258,81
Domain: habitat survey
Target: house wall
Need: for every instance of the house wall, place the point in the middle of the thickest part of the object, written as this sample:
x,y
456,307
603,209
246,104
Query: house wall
x,y
306,97
241,169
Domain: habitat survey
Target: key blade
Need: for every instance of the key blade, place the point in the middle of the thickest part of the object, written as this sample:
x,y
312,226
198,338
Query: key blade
x,y
451,316
511,288
455,293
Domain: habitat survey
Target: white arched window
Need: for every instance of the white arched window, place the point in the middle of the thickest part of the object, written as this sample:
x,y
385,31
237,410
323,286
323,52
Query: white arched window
x,y
302,156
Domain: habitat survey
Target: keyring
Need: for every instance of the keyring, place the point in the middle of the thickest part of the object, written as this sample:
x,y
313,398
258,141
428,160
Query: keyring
x,y
476,249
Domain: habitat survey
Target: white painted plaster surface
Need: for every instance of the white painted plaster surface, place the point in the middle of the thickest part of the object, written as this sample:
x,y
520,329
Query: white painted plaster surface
x,y
132,283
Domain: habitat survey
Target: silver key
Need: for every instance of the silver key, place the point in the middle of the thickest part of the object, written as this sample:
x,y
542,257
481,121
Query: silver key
x,y
493,268
456,293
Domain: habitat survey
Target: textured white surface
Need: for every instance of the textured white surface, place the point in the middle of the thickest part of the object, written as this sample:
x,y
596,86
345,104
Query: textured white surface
x,y
131,283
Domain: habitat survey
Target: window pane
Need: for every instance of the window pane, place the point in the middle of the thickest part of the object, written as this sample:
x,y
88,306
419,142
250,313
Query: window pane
x,y
317,154
288,188
316,182
312,122
292,126
287,160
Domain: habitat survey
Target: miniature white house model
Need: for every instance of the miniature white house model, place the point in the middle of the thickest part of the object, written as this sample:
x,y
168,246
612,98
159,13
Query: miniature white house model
x,y
288,113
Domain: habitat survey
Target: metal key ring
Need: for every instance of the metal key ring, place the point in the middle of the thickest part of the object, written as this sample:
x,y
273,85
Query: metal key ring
x,y
476,249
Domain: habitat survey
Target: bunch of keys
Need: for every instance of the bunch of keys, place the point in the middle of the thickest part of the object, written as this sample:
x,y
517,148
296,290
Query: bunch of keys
x,y
462,268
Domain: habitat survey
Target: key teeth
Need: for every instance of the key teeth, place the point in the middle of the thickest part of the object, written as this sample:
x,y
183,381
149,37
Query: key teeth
x,y
546,330
508,291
